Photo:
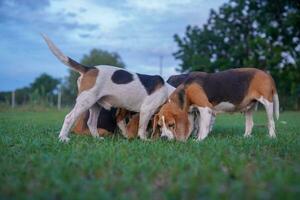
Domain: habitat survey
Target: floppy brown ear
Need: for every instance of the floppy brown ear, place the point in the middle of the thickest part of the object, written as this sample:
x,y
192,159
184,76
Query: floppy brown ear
x,y
182,126
80,126
133,126
121,114
155,129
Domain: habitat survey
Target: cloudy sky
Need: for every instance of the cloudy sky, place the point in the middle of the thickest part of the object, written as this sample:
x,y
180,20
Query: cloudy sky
x,y
139,30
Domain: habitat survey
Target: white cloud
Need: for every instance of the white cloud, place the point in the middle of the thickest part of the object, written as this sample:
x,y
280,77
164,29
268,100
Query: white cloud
x,y
157,5
88,12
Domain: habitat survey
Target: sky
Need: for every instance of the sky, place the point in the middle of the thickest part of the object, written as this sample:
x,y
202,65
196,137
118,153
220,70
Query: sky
x,y
140,31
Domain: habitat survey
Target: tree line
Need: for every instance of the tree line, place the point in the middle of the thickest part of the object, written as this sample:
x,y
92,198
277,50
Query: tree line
x,y
264,34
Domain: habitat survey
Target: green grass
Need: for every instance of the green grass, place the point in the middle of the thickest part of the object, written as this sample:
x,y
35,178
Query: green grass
x,y
33,164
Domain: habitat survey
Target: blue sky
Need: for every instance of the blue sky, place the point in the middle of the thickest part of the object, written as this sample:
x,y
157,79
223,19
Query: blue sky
x,y
139,30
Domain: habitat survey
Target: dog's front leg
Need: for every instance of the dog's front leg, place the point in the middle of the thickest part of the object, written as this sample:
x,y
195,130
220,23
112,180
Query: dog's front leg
x,y
148,108
212,122
120,118
122,126
145,116
93,119
204,122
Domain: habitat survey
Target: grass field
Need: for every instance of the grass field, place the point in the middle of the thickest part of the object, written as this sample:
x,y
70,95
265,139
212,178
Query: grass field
x,y
33,164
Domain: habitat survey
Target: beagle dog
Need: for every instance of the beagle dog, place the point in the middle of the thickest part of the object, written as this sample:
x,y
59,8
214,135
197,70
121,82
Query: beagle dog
x,y
234,90
109,86
108,120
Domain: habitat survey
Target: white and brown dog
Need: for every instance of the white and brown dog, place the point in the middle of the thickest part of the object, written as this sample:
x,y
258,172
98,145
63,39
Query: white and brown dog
x,y
235,90
108,87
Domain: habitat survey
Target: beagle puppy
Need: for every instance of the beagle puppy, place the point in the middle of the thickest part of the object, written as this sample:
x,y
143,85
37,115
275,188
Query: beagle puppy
x,y
234,90
110,86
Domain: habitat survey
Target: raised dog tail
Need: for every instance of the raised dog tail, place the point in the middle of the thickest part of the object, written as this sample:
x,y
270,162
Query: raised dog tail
x,y
276,105
65,59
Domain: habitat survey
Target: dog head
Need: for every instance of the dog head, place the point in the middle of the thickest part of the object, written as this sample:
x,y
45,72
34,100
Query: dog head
x,y
171,122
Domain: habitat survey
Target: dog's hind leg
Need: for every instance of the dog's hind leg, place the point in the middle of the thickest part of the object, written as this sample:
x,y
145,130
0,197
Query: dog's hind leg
x,y
93,119
145,116
269,109
83,102
212,122
249,122
249,119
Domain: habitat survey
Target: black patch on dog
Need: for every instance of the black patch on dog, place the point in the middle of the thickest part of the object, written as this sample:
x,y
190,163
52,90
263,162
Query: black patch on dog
x,y
121,77
176,80
107,119
229,86
150,83
80,67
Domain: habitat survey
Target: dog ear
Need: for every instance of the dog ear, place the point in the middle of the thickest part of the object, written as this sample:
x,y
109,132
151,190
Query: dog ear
x,y
133,126
182,126
80,126
155,129
121,114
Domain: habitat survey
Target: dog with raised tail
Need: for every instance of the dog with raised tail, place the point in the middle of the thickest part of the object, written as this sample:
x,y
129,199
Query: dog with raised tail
x,y
109,86
234,90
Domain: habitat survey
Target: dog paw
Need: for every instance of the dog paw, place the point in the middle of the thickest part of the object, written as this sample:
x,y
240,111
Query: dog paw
x,y
63,139
272,136
247,136
143,138
99,138
197,140
95,135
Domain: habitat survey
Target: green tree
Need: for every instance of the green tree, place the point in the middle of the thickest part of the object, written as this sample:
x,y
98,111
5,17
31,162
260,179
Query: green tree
x,y
94,58
44,84
247,33
42,90
101,57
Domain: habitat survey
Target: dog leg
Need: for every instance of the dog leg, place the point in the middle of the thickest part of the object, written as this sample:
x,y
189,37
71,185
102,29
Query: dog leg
x,y
149,107
269,109
145,117
93,119
83,102
191,123
249,122
212,122
193,117
122,126
120,118
204,122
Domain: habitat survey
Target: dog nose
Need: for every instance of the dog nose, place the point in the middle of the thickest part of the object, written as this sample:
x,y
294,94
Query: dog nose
x,y
164,137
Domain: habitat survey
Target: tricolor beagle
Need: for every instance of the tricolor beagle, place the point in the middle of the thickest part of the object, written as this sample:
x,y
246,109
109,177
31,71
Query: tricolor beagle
x,y
110,86
107,120
228,91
